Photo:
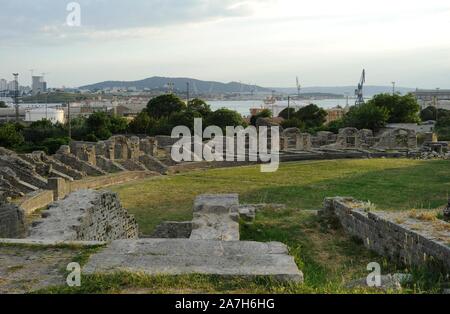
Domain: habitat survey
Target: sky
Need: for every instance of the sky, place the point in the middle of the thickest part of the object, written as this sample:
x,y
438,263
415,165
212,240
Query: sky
x,y
263,42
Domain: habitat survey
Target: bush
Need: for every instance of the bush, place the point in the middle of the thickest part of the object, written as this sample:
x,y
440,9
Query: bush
x,y
10,136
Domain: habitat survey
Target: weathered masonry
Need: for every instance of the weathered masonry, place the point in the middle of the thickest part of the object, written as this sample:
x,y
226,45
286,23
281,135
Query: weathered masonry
x,y
209,244
395,235
86,215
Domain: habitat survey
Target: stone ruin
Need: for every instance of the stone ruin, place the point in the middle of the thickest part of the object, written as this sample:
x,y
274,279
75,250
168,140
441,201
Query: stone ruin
x,y
119,153
446,212
209,244
352,138
85,215
396,235
397,139
12,219
293,139
21,174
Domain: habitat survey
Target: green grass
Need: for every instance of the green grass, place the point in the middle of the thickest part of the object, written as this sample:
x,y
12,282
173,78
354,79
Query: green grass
x,y
328,258
391,184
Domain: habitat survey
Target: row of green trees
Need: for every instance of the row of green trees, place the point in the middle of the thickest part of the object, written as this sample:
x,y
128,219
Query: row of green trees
x,y
160,116
165,112
46,136
375,114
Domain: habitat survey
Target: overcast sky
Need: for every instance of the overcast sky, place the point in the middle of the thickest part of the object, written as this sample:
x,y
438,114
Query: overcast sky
x,y
264,42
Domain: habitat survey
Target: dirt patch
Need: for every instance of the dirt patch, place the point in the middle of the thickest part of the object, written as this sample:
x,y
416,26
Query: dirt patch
x,y
27,269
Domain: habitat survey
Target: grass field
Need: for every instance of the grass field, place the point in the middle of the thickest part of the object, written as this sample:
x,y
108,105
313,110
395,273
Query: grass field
x,y
328,258
391,184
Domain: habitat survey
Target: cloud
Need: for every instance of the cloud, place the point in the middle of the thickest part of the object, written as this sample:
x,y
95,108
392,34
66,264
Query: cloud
x,y
45,20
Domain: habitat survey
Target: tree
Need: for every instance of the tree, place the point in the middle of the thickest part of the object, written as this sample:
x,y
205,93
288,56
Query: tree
x,y
199,106
287,113
293,123
225,117
400,109
3,104
53,144
184,118
99,124
41,130
265,113
118,125
10,136
312,115
366,116
335,126
429,113
164,106
141,124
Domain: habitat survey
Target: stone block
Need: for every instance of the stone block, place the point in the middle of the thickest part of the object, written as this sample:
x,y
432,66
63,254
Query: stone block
x,y
182,256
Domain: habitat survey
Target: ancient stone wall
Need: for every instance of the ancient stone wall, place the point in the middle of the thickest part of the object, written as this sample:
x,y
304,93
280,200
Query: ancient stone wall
x,y
294,139
386,234
86,215
12,221
397,139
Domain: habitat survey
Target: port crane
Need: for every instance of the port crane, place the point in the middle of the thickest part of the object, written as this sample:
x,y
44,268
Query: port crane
x,y
359,92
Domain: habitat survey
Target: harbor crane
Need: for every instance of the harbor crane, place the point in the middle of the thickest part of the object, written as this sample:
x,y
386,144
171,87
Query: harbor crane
x,y
359,92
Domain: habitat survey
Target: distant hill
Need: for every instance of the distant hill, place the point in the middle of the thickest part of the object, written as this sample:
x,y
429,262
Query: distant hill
x,y
196,86
369,90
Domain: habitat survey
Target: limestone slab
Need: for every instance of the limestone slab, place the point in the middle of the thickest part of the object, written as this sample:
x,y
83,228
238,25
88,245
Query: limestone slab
x,y
184,256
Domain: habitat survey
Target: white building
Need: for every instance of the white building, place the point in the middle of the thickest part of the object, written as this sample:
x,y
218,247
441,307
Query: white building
x,y
51,114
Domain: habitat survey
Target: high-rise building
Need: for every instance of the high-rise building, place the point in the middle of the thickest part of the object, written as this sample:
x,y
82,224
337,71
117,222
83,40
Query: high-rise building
x,y
38,85
3,85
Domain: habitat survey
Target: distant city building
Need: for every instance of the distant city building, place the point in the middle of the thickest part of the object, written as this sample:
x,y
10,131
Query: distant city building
x,y
38,85
3,85
433,97
334,114
52,114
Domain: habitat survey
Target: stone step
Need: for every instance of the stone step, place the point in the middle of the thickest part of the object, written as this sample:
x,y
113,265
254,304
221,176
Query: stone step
x,y
184,256
214,218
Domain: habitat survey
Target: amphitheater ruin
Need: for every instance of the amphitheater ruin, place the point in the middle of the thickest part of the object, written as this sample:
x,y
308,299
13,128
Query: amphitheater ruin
x,y
66,185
